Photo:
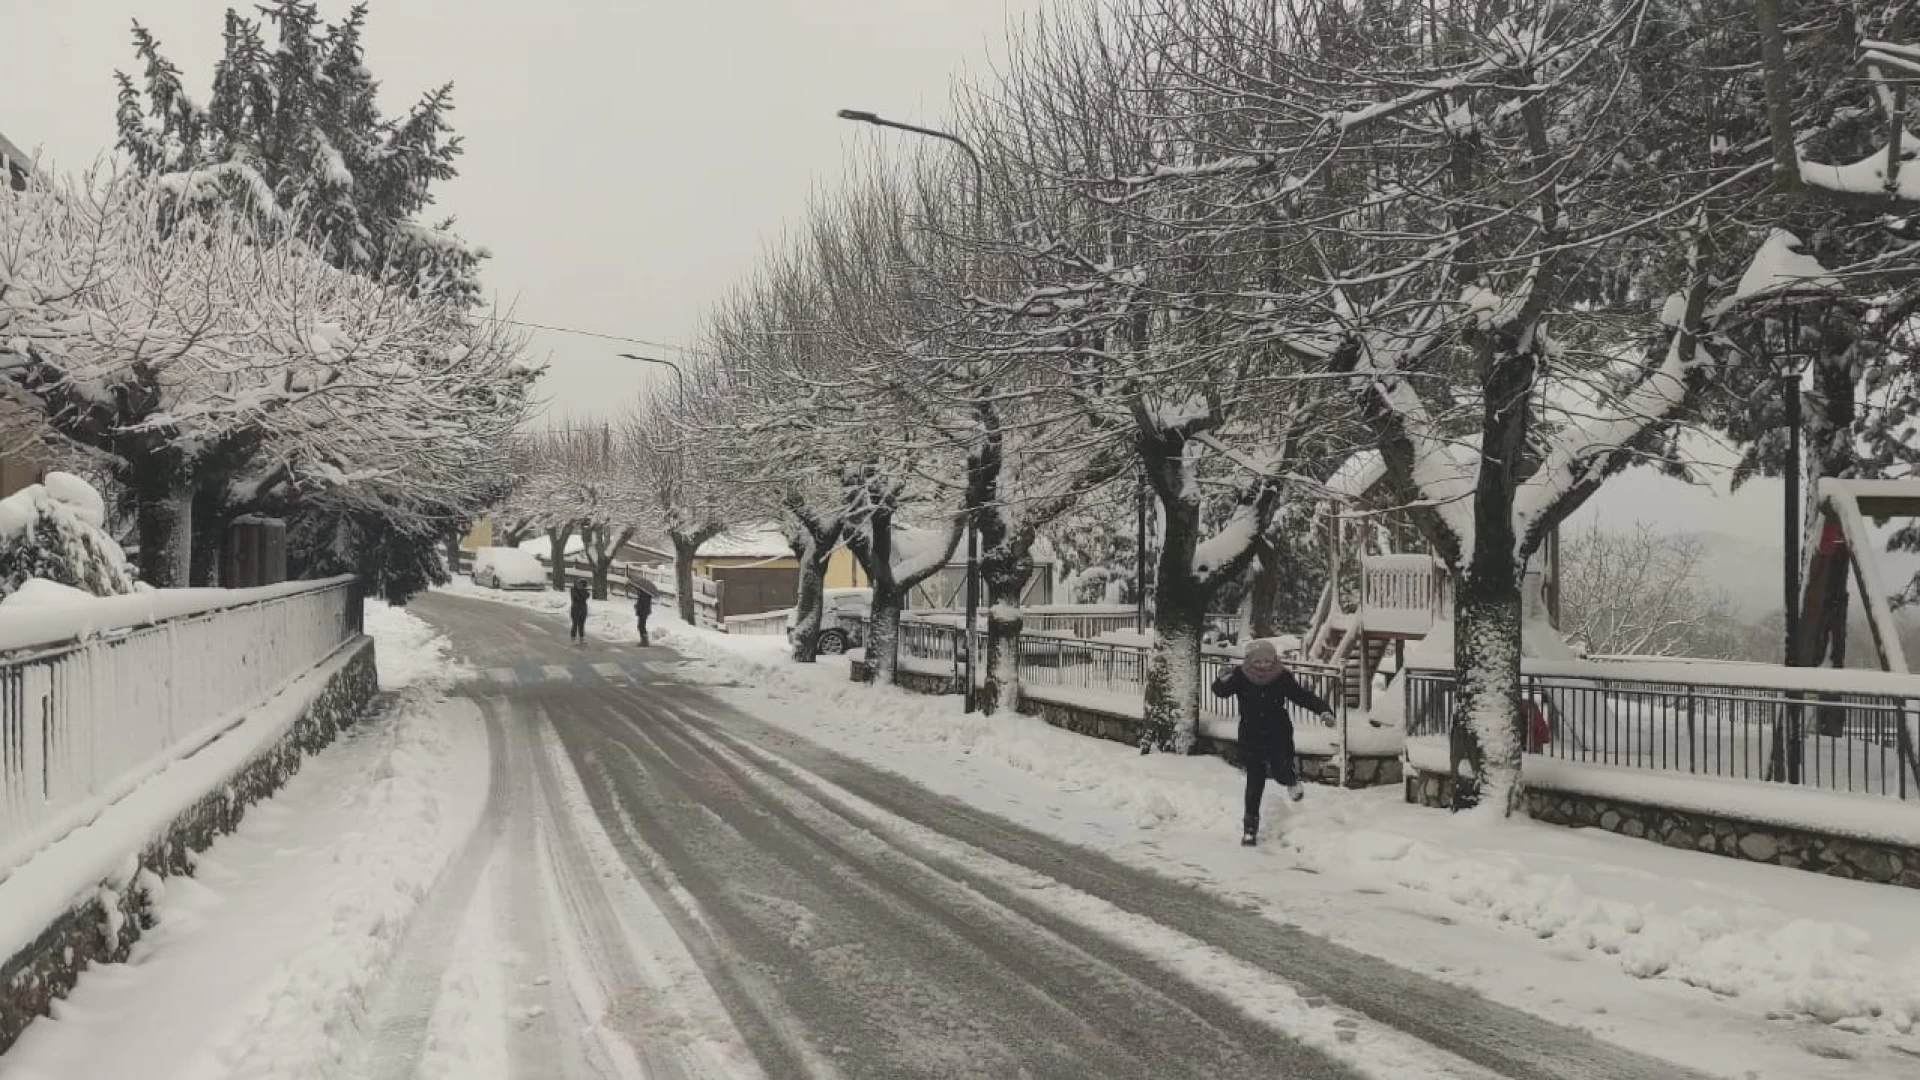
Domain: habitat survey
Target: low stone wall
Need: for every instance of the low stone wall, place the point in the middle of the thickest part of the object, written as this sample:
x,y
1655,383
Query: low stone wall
x,y
1838,856
103,928
1437,790
1112,727
1736,838
1363,770
918,682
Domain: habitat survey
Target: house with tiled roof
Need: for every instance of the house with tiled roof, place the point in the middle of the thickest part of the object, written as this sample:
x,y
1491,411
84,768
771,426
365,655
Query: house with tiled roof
x,y
17,165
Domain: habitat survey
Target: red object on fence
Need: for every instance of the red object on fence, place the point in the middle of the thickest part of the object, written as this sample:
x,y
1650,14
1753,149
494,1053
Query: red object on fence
x,y
1539,733
1831,538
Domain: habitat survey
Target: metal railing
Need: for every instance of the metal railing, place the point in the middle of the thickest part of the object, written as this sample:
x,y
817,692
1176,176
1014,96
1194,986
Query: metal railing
x,y
1065,663
85,717
1845,742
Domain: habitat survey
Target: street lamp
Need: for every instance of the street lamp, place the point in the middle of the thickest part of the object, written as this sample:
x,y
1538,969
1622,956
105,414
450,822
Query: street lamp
x,y
679,377
970,700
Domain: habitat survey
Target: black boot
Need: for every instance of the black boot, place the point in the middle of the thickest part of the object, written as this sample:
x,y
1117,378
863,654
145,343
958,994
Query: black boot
x,y
1249,836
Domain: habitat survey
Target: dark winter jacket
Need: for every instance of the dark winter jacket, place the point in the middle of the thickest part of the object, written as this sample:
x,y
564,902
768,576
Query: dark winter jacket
x,y
580,596
643,605
1266,706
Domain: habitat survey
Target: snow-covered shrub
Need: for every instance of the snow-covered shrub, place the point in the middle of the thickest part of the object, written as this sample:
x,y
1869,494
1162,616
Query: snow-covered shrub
x,y
54,531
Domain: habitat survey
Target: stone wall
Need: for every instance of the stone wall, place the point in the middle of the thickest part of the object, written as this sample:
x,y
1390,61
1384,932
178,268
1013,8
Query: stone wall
x,y
1839,856
1437,790
103,928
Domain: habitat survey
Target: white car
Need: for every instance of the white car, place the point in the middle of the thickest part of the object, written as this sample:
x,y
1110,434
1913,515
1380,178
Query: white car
x,y
508,568
843,622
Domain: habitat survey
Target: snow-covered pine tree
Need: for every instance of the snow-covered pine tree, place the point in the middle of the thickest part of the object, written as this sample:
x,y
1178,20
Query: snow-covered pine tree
x,y
55,531
293,132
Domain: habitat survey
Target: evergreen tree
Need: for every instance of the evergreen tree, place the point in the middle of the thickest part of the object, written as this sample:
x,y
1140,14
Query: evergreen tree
x,y
293,132
294,136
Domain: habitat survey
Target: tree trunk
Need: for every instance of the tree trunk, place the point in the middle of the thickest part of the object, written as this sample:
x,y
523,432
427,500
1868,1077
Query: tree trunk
x,y
1172,706
874,548
883,631
210,520
1006,567
683,551
1266,591
1486,653
163,506
810,605
557,539
1487,598
601,568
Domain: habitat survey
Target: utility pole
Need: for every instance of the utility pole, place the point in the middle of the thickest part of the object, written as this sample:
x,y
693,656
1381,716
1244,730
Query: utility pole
x,y
971,699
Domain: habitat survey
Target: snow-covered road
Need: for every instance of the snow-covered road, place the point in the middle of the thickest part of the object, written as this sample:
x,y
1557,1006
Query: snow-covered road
x,y
548,860
716,897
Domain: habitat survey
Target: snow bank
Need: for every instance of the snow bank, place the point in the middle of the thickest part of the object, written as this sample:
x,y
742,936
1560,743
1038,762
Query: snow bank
x,y
286,926
411,651
1788,964
52,880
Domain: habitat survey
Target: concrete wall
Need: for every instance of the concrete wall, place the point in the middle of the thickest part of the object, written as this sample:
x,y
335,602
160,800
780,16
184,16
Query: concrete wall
x,y
1800,849
103,928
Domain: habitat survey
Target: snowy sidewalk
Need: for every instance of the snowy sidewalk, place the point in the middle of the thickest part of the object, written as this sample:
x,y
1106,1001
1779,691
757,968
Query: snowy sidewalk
x,y
1734,968
260,963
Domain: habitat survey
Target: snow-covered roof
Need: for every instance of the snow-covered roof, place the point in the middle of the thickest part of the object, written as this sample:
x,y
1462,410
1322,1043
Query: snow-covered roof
x,y
541,547
16,166
757,542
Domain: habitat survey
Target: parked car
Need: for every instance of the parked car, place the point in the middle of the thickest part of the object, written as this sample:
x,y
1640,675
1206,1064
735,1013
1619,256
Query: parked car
x,y
843,626
508,568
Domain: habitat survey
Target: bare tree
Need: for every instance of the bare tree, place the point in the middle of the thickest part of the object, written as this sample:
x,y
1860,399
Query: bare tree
x,y
1639,593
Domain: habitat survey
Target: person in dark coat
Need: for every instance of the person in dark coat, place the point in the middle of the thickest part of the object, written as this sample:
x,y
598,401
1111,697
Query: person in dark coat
x,y
1263,689
643,610
578,610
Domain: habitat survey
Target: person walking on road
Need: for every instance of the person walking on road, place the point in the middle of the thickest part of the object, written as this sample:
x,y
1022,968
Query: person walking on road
x,y
1263,688
642,610
578,610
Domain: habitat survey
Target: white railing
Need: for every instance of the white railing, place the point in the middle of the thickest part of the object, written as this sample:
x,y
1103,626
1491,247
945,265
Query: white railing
x,y
1401,593
98,697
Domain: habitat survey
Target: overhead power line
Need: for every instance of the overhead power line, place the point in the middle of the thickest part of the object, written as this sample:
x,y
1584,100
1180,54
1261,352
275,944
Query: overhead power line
x,y
594,334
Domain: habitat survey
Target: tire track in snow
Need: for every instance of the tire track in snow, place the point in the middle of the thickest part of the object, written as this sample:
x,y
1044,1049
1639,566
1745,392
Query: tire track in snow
x,y
646,1013
1507,1041
404,1007
917,974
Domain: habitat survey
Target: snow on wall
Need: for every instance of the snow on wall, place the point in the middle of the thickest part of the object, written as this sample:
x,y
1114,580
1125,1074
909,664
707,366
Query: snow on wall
x,y
37,892
114,716
103,615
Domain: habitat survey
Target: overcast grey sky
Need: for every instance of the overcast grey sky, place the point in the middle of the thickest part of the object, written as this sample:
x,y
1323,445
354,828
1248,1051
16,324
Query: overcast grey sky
x,y
628,159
